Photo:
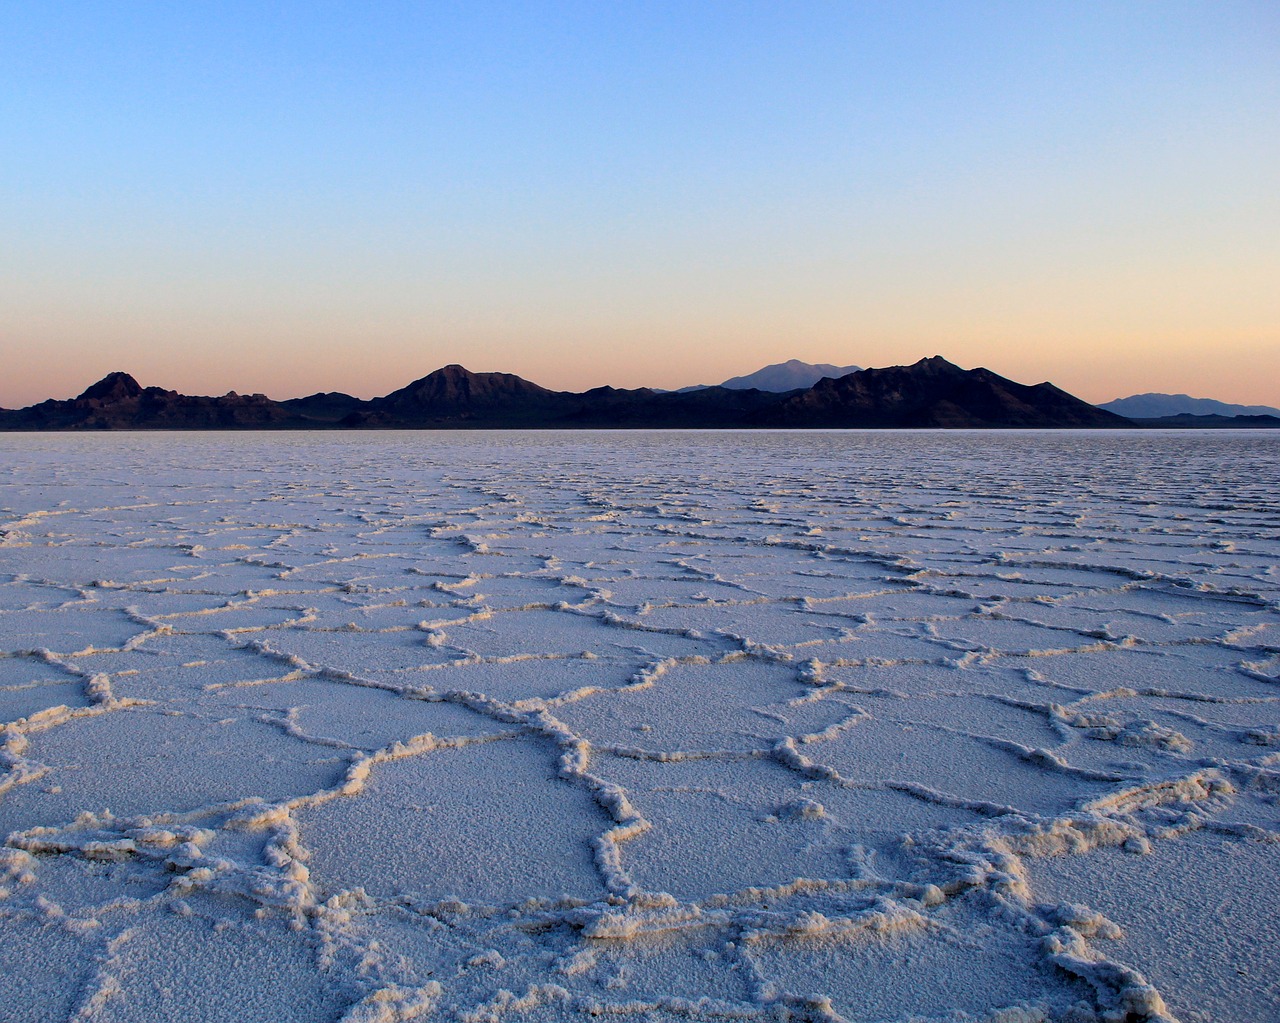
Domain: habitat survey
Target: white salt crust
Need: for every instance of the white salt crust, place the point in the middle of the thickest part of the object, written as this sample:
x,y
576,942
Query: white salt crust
x,y
478,727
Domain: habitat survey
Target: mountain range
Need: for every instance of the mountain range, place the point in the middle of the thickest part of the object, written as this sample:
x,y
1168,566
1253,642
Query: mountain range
x,y
931,393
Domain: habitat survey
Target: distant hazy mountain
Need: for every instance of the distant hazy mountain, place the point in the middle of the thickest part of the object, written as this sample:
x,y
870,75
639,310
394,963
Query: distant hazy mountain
x,y
1155,406
788,376
791,375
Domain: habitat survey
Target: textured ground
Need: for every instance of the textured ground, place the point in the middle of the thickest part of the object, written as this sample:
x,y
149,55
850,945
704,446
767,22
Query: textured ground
x,y
658,726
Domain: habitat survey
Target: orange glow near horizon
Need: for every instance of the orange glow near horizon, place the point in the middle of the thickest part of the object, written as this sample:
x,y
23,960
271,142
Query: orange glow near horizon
x,y
1096,372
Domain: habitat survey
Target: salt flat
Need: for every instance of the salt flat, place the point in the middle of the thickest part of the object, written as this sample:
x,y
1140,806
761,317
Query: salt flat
x,y
873,727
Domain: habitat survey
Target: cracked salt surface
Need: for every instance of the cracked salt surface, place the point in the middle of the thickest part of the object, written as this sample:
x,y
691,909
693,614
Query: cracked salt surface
x,y
873,727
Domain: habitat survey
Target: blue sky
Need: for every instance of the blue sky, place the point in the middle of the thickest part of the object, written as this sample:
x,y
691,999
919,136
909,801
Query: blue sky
x,y
295,197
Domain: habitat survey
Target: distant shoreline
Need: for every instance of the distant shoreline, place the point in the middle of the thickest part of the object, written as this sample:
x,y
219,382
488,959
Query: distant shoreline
x,y
1135,427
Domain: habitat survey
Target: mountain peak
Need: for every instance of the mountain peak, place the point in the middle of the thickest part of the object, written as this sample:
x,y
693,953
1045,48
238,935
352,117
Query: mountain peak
x,y
788,376
937,364
453,371
454,387
112,387
935,393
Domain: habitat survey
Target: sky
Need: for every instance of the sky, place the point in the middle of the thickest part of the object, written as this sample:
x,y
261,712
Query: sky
x,y
293,197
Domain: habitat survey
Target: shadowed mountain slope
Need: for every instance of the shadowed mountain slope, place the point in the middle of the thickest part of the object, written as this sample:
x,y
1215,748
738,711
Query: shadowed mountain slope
x,y
119,402
454,396
935,393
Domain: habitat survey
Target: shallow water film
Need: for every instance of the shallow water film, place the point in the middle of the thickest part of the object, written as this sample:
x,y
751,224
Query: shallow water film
x,y
655,726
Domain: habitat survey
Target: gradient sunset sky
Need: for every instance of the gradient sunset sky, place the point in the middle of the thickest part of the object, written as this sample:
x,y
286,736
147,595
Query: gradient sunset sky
x,y
292,197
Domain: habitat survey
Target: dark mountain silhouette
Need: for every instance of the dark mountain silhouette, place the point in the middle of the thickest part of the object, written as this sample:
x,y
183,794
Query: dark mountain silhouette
x,y
1187,421
111,388
454,396
934,392
118,402
323,407
454,388
708,408
931,393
